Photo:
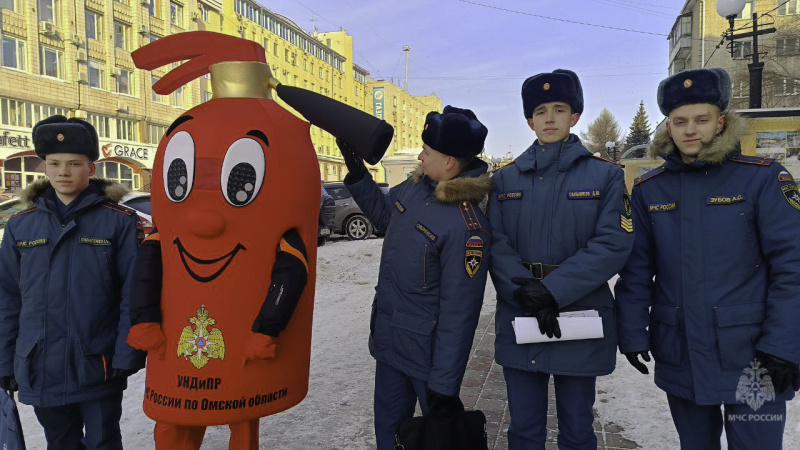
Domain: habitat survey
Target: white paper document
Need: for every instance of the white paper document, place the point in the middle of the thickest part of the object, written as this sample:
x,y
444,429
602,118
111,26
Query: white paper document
x,y
574,325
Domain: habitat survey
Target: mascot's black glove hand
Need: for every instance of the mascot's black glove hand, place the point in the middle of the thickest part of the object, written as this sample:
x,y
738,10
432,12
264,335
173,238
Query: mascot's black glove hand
x,y
633,358
783,373
440,405
355,164
532,295
119,374
8,383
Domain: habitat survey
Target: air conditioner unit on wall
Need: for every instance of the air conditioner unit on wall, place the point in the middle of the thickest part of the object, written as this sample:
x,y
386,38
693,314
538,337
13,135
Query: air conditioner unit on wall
x,y
83,77
77,40
195,16
143,29
122,106
47,28
114,72
80,56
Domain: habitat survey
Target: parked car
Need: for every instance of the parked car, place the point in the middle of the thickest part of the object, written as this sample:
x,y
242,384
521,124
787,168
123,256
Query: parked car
x,y
8,208
327,212
350,220
140,202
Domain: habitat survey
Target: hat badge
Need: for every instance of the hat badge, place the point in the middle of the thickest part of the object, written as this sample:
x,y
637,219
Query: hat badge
x,y
688,83
546,87
60,137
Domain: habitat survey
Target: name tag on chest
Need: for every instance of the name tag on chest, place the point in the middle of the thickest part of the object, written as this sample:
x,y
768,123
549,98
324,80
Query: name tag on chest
x,y
724,199
586,194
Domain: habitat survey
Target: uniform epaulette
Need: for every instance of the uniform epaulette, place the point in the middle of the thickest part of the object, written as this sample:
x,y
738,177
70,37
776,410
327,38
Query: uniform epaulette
x,y
500,168
22,213
119,208
607,160
756,160
648,175
470,216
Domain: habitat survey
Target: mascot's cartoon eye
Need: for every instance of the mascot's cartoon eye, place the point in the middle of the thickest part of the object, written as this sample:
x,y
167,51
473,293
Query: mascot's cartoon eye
x,y
242,171
179,166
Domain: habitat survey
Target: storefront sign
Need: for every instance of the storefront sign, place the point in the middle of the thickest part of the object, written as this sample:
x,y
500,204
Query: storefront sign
x,y
111,149
7,139
377,102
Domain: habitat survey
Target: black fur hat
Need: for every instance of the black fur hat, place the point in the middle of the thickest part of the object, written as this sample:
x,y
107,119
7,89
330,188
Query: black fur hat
x,y
695,86
559,86
455,132
57,134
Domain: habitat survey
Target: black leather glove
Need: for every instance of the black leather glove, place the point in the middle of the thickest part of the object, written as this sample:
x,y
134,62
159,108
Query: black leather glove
x,y
532,295
548,321
355,164
119,374
783,373
9,383
633,358
440,405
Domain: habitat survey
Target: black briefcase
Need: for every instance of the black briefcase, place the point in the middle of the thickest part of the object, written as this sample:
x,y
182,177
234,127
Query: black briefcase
x,y
463,431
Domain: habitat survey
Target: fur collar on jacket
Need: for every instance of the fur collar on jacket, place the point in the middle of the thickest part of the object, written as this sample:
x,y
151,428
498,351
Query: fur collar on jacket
x,y
112,190
715,151
464,188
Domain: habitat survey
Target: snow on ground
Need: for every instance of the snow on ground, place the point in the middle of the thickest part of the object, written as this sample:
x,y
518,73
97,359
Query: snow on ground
x,y
337,413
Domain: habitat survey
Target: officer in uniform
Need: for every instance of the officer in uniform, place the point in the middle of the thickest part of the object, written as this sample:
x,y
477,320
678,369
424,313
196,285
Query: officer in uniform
x,y
713,273
432,272
560,231
65,271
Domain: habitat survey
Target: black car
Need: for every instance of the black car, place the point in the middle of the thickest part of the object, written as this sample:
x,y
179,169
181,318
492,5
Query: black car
x,y
327,211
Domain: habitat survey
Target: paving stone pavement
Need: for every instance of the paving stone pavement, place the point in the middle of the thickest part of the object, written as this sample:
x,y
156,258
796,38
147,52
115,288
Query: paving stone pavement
x,y
484,388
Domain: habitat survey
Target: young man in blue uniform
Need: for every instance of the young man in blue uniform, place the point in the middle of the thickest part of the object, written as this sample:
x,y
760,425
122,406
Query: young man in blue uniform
x,y
561,230
713,273
432,273
65,267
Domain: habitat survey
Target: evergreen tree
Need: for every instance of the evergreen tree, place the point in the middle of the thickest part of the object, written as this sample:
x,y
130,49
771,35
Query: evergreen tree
x,y
640,129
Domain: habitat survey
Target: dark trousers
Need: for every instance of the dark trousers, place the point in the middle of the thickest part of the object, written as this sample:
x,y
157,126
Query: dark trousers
x,y
700,426
396,395
63,425
527,404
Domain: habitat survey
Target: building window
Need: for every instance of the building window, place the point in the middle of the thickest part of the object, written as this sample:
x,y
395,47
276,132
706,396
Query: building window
x,y
203,12
156,97
7,4
788,46
22,171
126,130
122,35
177,97
124,82
206,96
51,62
96,74
176,14
742,50
155,132
790,87
94,25
13,53
100,124
790,7
47,11
115,171
747,12
155,8
17,113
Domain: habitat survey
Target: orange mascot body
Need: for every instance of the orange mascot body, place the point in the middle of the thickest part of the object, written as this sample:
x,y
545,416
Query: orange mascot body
x,y
232,177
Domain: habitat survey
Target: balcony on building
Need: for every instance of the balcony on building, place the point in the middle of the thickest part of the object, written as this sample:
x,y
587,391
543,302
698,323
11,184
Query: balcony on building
x,y
680,43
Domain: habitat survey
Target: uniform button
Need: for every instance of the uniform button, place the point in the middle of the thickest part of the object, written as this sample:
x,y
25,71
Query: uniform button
x,y
533,361
542,150
541,178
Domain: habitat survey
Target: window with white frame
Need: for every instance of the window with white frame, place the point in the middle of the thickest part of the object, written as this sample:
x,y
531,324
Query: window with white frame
x,y
203,12
155,132
788,46
739,89
177,97
122,35
124,85
156,97
17,113
115,171
155,8
126,130
101,124
788,7
13,53
21,171
742,50
51,62
747,12
47,11
789,87
94,25
206,96
96,74
176,14
8,4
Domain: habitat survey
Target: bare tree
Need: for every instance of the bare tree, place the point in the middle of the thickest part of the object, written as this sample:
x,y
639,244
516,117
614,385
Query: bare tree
x,y
603,129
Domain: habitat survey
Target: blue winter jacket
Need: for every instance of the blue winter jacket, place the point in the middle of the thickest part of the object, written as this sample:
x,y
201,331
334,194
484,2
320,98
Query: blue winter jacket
x,y
714,268
64,296
432,273
559,205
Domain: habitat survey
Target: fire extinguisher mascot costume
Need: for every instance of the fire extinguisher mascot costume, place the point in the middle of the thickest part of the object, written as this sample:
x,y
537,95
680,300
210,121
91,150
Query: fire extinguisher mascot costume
x,y
223,290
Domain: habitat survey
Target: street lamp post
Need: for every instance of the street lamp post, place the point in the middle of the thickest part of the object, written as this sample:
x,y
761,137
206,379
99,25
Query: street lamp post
x,y
729,9
609,147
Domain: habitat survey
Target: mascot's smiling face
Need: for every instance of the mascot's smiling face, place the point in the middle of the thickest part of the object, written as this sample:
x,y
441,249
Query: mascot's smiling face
x,y
225,184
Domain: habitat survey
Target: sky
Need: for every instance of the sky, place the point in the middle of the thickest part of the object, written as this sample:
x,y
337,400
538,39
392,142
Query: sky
x,y
476,53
